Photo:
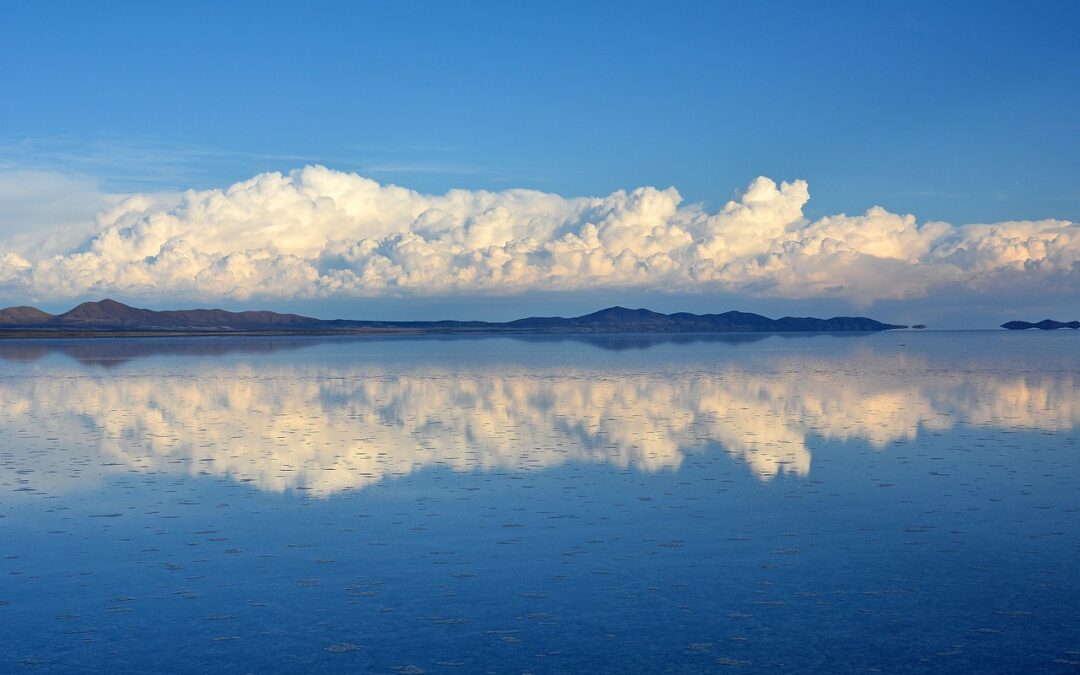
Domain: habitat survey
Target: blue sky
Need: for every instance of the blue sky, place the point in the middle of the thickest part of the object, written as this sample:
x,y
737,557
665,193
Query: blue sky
x,y
957,111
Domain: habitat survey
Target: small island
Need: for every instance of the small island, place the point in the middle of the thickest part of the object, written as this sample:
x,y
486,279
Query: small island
x,y
112,318
1045,324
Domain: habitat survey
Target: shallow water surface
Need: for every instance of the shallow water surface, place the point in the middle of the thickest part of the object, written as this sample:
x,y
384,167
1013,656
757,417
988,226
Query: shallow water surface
x,y
899,502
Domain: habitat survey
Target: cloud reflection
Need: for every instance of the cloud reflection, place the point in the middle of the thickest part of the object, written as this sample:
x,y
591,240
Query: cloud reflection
x,y
324,427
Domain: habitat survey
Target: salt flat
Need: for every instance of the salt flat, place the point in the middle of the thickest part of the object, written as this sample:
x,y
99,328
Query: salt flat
x,y
908,502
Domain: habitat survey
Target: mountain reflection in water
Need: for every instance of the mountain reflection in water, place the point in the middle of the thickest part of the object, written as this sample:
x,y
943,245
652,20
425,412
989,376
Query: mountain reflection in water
x,y
113,351
329,426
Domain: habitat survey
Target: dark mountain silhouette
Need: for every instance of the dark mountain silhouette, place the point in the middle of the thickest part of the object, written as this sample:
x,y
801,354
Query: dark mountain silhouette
x,y
112,316
1045,324
620,319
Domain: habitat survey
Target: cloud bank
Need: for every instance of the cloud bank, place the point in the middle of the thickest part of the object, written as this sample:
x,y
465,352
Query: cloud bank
x,y
321,233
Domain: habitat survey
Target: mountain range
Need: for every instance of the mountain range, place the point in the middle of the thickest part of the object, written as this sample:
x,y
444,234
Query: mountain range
x,y
112,316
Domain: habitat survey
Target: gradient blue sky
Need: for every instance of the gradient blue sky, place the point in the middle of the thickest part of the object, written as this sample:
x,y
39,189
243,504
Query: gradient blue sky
x,y
965,112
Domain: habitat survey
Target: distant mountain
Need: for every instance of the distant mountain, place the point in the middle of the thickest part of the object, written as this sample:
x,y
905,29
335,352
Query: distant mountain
x,y
1045,324
109,315
15,316
620,319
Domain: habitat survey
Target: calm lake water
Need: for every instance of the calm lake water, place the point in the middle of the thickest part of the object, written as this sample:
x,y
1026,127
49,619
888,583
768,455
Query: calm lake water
x,y
897,502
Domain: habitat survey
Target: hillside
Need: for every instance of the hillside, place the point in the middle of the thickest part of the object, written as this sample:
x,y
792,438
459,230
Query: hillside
x,y
110,315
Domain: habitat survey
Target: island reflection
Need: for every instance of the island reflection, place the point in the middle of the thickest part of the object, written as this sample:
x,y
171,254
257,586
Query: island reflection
x,y
325,427
109,351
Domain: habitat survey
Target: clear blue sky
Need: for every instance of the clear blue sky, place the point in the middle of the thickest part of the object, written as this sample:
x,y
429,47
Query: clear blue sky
x,y
960,111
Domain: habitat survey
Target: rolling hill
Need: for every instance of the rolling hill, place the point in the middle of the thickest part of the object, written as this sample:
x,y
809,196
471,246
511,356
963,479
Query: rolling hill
x,y
112,316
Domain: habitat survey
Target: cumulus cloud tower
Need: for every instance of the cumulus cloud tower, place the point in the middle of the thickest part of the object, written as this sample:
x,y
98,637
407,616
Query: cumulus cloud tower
x,y
317,232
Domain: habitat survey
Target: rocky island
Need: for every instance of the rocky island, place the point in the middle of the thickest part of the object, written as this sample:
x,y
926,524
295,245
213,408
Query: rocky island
x,y
1045,324
109,317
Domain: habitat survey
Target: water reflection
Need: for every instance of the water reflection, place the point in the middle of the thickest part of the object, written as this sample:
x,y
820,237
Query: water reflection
x,y
327,426
115,351
109,352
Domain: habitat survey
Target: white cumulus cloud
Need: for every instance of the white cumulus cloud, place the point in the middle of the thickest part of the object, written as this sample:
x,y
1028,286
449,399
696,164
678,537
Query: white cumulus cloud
x,y
318,233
